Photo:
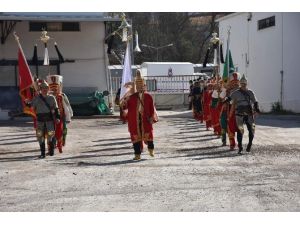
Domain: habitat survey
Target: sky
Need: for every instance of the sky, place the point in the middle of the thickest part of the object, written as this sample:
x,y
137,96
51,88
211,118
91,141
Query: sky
x,y
150,6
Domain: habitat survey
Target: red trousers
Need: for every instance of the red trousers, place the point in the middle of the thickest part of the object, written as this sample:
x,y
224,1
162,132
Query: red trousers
x,y
59,128
231,129
215,118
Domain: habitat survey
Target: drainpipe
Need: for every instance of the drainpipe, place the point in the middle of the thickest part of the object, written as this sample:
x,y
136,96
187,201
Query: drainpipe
x,y
281,88
108,80
281,72
247,58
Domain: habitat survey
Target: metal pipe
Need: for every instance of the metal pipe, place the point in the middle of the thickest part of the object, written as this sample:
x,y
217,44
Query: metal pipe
x,y
282,71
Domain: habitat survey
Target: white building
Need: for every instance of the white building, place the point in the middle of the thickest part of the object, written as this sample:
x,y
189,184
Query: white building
x,y
167,68
80,37
266,49
198,68
117,70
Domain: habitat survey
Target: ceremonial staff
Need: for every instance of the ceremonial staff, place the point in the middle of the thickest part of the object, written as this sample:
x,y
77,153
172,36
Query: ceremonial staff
x,y
45,38
215,41
227,51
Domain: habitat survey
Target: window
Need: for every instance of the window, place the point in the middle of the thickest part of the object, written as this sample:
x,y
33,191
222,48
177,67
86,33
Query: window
x,y
54,26
267,22
37,26
68,26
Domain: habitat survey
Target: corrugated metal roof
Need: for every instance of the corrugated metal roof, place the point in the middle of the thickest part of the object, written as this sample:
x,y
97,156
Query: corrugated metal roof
x,y
58,16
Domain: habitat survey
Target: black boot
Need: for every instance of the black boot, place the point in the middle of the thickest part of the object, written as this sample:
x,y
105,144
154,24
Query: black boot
x,y
223,140
248,149
51,148
137,150
251,136
42,147
240,148
240,139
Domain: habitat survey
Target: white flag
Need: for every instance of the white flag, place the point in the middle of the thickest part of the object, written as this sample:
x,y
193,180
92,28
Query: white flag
x,y
215,57
46,57
126,75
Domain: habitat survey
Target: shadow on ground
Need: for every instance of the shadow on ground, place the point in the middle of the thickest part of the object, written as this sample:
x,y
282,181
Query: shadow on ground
x,y
282,121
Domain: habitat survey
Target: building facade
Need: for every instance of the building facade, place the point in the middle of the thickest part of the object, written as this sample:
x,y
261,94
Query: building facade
x,y
80,37
264,47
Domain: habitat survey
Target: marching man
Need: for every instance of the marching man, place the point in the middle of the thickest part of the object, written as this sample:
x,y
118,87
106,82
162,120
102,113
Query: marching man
x,y
141,115
234,84
246,106
207,92
216,106
65,110
197,102
47,114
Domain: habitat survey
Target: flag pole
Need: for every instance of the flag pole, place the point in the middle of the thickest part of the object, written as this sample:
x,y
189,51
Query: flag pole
x,y
17,40
227,53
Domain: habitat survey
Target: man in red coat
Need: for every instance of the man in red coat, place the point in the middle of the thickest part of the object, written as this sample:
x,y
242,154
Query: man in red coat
x,y
215,108
141,115
232,127
206,105
65,110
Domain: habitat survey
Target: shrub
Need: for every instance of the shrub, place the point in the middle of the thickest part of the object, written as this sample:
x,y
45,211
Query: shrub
x,y
278,109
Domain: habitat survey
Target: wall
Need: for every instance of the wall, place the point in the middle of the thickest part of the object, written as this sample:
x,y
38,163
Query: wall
x,y
85,47
269,51
291,60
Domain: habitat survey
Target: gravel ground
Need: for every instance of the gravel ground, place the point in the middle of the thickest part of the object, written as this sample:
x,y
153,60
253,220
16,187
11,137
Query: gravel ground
x,y
191,171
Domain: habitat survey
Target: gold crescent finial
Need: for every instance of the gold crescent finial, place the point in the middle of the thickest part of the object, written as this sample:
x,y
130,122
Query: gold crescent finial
x,y
44,38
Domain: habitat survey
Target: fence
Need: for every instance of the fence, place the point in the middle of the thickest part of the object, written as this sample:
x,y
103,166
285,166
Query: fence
x,y
162,84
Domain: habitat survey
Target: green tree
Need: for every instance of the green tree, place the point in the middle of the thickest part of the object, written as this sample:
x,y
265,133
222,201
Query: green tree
x,y
189,33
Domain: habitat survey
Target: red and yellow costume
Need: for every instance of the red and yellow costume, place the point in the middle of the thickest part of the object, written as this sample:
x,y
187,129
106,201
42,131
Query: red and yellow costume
x,y
64,107
140,117
215,109
227,124
59,127
232,126
140,113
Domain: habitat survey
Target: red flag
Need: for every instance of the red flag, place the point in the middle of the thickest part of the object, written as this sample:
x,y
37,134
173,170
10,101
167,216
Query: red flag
x,y
25,82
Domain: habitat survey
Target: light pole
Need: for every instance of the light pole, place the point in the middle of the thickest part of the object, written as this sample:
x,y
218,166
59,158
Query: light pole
x,y
157,48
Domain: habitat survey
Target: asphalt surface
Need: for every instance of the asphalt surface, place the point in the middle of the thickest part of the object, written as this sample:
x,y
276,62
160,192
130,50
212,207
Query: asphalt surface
x,y
191,171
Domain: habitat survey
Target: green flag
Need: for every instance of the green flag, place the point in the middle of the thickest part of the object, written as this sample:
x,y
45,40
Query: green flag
x,y
231,66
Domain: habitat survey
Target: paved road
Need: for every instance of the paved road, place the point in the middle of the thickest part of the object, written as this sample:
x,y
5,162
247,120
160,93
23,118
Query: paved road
x,y
190,172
